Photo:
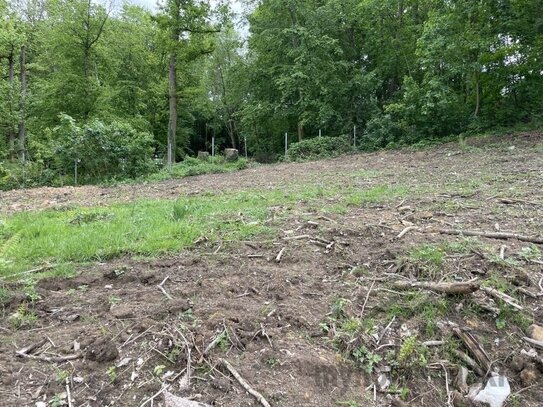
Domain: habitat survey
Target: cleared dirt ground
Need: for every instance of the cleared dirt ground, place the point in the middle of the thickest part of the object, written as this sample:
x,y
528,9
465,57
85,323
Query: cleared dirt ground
x,y
287,327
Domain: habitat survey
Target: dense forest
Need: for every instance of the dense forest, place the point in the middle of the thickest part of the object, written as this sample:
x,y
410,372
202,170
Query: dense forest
x,y
124,91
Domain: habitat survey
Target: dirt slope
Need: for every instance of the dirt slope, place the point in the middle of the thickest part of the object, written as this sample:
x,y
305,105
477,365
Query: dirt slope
x,y
288,322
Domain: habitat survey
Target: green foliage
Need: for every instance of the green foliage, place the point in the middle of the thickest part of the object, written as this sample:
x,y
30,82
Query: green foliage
x,y
272,362
531,252
412,353
24,317
318,147
365,359
5,295
102,150
112,374
409,72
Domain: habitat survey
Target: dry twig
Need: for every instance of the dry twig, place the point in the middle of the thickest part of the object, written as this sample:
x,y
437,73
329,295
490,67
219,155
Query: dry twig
x,y
406,231
280,255
492,235
161,288
503,297
244,384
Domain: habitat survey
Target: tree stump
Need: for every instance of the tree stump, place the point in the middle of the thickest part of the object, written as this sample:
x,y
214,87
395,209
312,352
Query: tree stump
x,y
231,154
203,155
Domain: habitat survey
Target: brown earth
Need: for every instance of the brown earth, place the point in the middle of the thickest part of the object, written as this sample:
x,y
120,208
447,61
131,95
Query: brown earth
x,y
285,336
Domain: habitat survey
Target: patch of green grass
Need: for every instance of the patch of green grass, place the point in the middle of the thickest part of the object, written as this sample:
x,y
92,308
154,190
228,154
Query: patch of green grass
x,y
5,295
531,252
428,254
429,309
272,362
463,245
193,166
144,228
378,194
427,258
412,353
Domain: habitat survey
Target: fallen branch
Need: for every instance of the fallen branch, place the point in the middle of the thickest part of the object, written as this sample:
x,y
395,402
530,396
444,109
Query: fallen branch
x,y
470,362
536,343
406,231
150,399
512,201
52,359
367,298
474,347
280,255
171,400
68,393
529,293
433,343
161,288
492,235
465,287
300,237
386,329
212,345
502,296
244,384
32,347
449,398
532,355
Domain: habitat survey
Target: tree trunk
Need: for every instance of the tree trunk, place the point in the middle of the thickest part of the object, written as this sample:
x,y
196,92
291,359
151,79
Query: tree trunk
x,y
22,109
172,125
11,73
229,120
300,132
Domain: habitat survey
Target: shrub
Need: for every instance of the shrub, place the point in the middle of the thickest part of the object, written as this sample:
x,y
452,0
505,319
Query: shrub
x,y
382,131
104,150
319,147
31,174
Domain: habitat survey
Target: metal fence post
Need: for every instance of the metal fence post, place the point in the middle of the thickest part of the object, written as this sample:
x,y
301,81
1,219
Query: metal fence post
x,y
213,147
245,139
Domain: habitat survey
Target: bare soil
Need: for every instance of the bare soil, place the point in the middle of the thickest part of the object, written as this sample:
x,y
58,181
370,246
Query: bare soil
x,y
113,314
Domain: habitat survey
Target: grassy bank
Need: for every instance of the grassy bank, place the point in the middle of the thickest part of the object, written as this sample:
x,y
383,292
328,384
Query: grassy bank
x,y
153,227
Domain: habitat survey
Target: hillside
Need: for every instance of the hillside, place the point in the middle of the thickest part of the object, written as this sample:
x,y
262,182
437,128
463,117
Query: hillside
x,y
310,279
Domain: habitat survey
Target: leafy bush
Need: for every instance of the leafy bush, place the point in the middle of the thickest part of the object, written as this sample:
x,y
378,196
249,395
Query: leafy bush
x,y
31,174
319,147
382,131
103,150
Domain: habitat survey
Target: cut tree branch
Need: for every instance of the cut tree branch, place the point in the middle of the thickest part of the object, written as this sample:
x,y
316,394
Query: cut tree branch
x,y
244,384
474,347
492,235
465,287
